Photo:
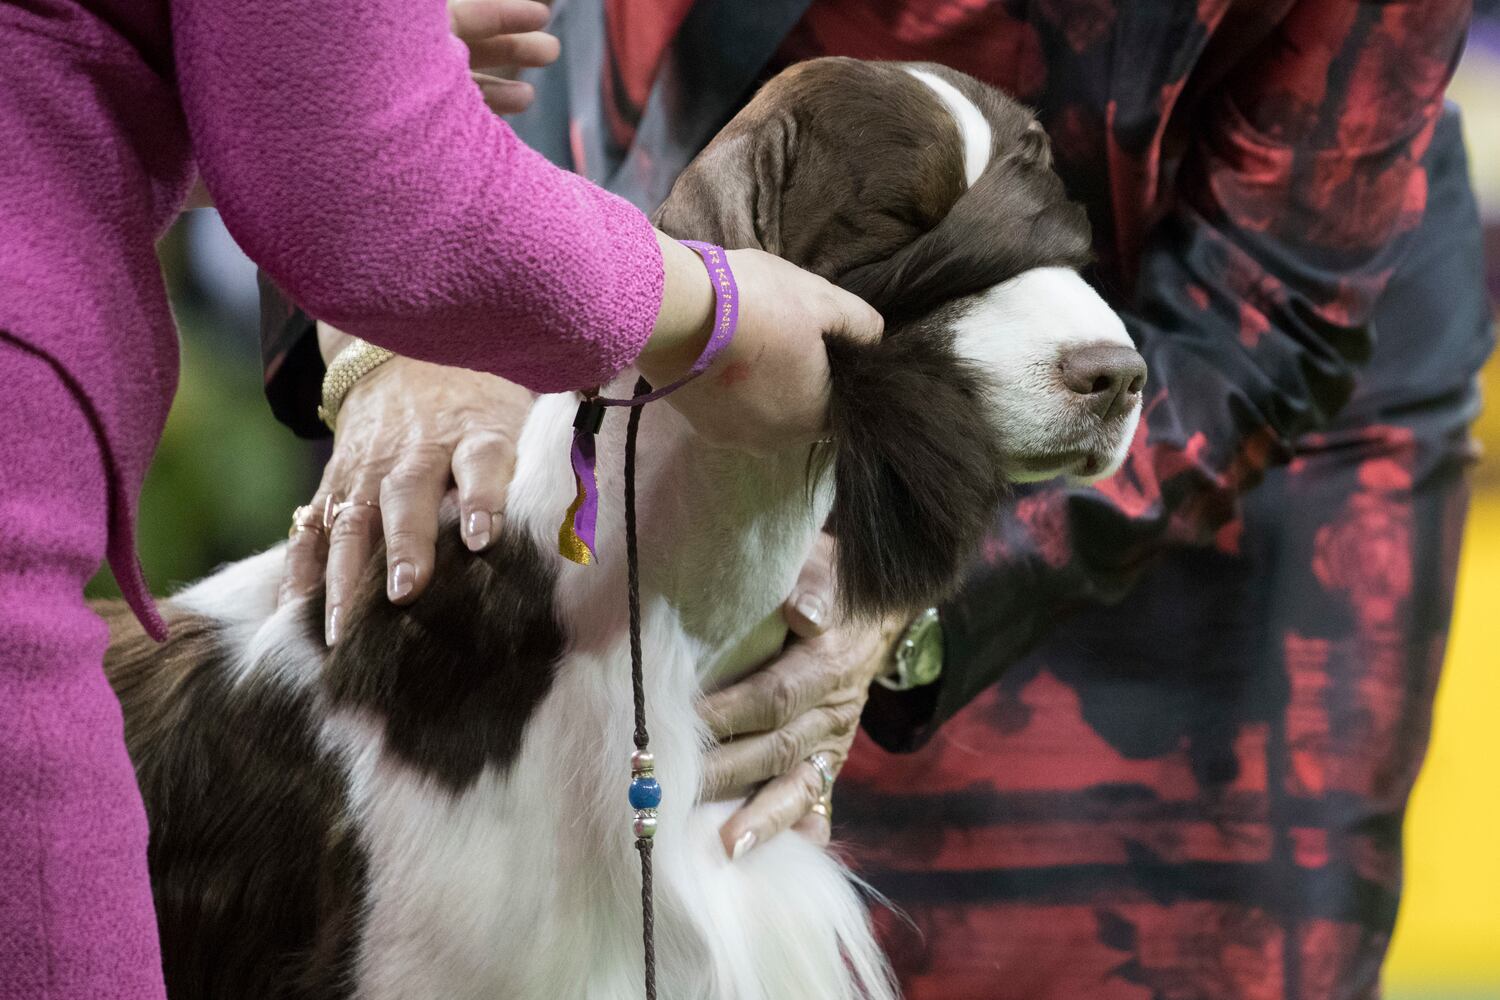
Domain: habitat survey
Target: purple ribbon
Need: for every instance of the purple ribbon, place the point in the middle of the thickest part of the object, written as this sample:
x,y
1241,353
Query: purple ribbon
x,y
575,539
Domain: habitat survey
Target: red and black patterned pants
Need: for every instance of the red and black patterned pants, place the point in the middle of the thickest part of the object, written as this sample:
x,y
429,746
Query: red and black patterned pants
x,y
1196,794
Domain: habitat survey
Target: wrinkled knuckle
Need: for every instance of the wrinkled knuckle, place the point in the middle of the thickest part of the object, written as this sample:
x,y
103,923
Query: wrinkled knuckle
x,y
844,718
786,751
352,524
403,484
781,698
431,451
406,539
715,775
486,442
303,548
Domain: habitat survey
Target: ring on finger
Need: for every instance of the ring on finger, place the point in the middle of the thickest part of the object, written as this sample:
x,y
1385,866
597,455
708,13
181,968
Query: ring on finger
x,y
304,518
333,508
820,763
823,807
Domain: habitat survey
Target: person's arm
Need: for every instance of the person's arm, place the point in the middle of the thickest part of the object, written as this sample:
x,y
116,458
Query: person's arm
x,y
502,37
354,159
1252,310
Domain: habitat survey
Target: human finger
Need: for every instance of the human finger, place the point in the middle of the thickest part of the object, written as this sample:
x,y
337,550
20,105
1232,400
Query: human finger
x,y
302,566
409,500
774,808
504,97
741,764
808,607
775,694
529,49
351,539
854,317
473,20
816,827
483,465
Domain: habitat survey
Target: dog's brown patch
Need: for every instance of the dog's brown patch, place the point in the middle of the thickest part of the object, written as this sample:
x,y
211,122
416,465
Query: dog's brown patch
x,y
255,867
455,676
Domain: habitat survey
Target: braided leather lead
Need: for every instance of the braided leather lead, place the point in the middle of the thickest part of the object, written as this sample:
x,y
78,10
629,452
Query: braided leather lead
x,y
638,684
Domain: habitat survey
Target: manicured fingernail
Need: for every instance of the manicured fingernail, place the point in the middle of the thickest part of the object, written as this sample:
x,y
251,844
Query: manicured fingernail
x,y
811,608
743,845
477,530
331,630
403,579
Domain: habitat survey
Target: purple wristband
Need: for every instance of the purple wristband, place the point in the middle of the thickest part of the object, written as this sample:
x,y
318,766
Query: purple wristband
x,y
575,539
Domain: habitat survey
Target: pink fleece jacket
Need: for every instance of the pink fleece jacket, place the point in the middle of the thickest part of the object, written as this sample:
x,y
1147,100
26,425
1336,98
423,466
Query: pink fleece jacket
x,y
349,154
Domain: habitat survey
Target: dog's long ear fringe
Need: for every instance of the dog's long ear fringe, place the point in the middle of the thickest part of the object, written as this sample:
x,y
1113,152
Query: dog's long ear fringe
x,y
917,470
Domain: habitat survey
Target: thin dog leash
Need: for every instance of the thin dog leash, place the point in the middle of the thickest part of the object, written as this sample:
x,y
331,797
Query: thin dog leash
x,y
576,540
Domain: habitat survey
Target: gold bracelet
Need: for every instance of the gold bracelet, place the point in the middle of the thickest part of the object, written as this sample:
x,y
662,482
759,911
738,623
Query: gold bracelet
x,y
352,363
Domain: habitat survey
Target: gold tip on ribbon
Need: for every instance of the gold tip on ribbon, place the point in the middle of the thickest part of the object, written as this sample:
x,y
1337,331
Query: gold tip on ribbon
x,y
569,545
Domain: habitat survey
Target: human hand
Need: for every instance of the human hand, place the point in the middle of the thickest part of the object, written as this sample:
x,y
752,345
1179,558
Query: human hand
x,y
768,390
503,37
807,700
407,432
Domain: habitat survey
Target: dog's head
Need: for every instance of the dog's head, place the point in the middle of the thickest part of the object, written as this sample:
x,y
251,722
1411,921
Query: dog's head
x,y
932,196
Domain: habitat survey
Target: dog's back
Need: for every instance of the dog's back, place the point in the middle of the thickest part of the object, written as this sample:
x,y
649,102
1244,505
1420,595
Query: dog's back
x,y
255,870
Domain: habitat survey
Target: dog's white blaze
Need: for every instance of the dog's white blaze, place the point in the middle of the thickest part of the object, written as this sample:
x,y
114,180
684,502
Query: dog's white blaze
x,y
1018,330
972,125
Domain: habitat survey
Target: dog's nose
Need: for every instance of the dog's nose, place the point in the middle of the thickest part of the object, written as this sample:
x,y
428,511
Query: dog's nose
x,y
1109,377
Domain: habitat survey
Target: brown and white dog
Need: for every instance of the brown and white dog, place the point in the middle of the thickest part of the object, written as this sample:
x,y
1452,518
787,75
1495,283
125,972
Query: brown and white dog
x,y
436,807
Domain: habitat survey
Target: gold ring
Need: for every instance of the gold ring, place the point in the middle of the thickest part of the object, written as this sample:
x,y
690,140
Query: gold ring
x,y
333,508
304,518
823,807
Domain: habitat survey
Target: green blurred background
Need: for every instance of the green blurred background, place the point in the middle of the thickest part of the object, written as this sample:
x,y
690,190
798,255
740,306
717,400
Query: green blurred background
x,y
227,477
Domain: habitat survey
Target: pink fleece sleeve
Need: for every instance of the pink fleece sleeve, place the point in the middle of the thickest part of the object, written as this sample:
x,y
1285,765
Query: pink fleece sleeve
x,y
353,158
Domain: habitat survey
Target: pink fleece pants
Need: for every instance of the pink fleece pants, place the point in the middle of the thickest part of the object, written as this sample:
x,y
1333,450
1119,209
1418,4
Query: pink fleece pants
x,y
76,921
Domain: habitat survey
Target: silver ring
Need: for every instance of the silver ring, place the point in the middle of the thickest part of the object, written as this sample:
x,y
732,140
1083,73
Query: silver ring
x,y
819,761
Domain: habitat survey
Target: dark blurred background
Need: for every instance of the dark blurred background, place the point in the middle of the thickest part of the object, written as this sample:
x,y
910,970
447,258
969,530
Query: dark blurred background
x,y
227,477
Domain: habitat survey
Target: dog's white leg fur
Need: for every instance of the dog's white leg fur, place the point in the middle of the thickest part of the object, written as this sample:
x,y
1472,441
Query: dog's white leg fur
x,y
972,125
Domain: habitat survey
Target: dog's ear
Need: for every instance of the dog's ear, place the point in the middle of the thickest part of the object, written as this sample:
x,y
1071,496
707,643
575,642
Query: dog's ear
x,y
814,172
731,193
1033,147
917,471
1016,217
918,468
